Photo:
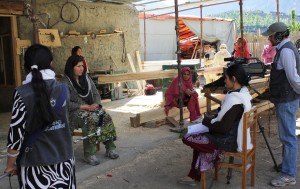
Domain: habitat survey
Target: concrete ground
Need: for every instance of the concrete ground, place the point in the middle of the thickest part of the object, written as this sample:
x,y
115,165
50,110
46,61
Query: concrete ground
x,y
154,157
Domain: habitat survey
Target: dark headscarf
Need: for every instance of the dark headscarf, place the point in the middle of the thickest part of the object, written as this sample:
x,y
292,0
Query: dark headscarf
x,y
83,88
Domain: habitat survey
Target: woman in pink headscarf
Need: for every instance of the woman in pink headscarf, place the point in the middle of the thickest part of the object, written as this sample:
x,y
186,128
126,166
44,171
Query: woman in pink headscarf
x,y
238,49
268,53
190,97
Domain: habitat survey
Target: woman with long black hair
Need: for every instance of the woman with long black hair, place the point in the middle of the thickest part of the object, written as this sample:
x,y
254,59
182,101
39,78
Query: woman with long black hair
x,y
39,137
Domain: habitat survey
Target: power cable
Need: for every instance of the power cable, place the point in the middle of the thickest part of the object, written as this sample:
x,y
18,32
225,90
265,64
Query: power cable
x,y
62,14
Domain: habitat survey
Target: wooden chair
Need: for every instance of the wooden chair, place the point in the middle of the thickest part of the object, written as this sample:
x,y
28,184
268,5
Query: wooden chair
x,y
78,132
248,157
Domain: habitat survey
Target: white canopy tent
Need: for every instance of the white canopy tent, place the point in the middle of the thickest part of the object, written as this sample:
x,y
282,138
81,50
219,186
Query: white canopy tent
x,y
161,35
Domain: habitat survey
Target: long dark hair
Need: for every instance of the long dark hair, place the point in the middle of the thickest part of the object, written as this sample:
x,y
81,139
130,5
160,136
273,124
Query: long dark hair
x,y
74,50
239,73
38,57
82,88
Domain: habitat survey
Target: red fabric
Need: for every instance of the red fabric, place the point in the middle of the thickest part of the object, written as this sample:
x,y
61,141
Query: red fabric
x,y
86,70
238,51
150,86
193,107
172,95
198,148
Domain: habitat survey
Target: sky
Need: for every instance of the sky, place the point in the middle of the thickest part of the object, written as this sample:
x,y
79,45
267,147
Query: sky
x,y
285,6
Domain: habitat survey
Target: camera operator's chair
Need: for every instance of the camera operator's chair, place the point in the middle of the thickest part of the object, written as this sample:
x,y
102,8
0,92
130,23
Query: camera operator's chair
x,y
247,157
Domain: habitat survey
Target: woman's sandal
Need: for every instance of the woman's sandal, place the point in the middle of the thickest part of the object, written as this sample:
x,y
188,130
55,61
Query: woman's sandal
x,y
187,181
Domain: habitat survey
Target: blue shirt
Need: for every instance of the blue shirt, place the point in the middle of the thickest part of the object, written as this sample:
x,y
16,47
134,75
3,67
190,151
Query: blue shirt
x,y
287,61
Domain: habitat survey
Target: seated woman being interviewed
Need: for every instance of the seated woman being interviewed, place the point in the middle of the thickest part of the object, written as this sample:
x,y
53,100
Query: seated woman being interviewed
x,y
190,96
86,111
225,128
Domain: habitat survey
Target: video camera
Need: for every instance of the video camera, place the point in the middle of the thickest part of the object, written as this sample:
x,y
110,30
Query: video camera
x,y
256,68
252,68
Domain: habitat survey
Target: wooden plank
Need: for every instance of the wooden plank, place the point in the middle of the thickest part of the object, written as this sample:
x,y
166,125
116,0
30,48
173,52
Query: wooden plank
x,y
159,114
264,105
17,67
143,82
17,6
12,8
97,35
49,37
103,79
138,57
135,121
10,12
22,44
211,70
134,71
260,90
173,121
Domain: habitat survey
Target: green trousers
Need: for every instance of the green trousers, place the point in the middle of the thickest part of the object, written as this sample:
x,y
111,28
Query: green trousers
x,y
89,147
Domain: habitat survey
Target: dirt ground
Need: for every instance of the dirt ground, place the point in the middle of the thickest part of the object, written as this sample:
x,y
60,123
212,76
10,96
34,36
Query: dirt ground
x,y
156,157
161,165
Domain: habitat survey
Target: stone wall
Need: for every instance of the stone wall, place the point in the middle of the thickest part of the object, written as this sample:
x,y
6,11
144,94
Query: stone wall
x,y
93,17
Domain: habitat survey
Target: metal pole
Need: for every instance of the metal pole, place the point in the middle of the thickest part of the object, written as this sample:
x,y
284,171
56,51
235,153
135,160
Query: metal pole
x,y
35,23
201,35
178,52
145,49
242,27
278,13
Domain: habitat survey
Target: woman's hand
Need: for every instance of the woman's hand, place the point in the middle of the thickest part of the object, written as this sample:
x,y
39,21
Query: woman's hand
x,y
190,92
11,167
85,107
11,170
90,108
206,121
94,107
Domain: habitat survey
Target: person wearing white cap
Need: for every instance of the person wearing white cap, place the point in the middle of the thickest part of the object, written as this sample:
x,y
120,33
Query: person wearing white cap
x,y
219,56
285,93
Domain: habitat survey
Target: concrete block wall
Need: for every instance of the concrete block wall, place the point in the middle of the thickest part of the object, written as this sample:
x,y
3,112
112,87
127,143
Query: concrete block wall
x,y
93,17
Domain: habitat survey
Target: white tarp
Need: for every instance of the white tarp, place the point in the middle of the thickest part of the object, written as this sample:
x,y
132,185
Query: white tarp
x,y
161,36
214,30
160,39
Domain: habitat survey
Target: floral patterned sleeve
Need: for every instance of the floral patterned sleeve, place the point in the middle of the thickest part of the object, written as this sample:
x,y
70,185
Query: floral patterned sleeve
x,y
17,124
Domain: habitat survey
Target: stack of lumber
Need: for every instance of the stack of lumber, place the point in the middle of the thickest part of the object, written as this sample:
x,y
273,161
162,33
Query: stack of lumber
x,y
159,116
